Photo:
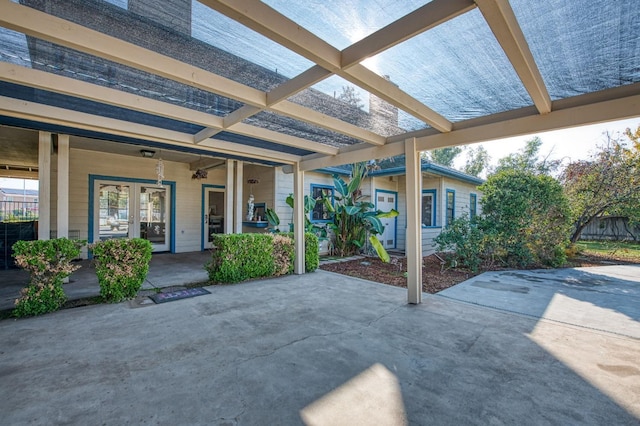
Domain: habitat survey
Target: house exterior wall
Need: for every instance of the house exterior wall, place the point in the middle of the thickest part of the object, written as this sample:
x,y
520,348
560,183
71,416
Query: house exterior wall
x,y
462,192
188,192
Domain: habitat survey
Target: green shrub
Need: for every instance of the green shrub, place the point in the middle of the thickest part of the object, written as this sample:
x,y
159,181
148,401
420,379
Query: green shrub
x,y
122,266
311,251
529,217
466,244
239,257
283,252
49,263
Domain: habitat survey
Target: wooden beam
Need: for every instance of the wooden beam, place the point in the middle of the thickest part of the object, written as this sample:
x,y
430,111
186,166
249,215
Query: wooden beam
x,y
413,197
275,26
384,89
608,105
420,20
68,86
54,115
206,163
66,33
299,112
505,27
80,89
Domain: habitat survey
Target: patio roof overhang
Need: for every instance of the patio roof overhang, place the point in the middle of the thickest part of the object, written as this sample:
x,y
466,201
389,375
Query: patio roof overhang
x,y
287,83
528,91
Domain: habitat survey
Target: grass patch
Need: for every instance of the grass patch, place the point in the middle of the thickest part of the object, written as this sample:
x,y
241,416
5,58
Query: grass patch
x,y
628,251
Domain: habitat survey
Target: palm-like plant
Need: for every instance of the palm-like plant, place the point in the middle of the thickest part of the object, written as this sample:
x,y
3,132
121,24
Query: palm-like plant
x,y
354,218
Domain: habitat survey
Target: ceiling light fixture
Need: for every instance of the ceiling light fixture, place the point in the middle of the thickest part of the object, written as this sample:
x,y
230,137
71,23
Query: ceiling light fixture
x,y
147,153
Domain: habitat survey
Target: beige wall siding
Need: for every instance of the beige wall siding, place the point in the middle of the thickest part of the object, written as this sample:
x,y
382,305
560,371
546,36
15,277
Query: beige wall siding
x,y
440,184
188,192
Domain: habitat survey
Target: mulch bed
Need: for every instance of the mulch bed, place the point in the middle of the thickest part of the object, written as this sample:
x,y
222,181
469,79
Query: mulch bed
x,y
434,278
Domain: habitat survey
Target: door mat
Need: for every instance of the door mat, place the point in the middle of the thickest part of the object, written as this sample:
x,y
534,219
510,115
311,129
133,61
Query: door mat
x,y
178,294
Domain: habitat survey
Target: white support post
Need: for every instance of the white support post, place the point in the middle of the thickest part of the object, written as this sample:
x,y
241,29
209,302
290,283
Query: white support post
x,y
298,218
44,186
63,187
229,192
414,226
239,211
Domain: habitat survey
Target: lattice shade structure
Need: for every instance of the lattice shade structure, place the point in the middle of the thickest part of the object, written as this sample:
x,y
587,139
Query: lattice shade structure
x,y
272,75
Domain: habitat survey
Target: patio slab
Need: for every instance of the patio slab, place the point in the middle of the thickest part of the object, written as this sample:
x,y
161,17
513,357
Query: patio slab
x,y
165,270
315,349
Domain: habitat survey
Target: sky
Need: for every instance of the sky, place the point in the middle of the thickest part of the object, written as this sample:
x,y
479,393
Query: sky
x,y
569,144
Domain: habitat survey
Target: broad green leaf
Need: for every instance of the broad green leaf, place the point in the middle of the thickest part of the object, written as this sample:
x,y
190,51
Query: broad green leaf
x,y
392,213
380,251
352,210
340,186
376,225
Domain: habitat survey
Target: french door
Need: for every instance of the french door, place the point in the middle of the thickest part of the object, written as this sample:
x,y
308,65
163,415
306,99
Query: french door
x,y
132,210
213,214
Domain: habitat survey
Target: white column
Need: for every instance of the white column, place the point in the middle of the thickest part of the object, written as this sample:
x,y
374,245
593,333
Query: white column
x,y
44,186
237,187
414,226
63,186
298,218
228,198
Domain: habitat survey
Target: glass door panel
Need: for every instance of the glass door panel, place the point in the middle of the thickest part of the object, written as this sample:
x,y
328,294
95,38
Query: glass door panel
x,y
132,210
114,202
213,214
153,216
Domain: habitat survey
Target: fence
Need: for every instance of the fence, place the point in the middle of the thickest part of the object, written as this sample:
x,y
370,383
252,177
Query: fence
x,y
18,211
611,228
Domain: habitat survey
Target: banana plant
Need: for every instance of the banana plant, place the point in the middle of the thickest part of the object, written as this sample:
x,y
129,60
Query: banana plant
x,y
273,219
354,218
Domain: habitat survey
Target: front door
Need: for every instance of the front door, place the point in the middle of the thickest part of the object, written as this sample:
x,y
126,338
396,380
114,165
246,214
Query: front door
x,y
213,214
132,210
386,201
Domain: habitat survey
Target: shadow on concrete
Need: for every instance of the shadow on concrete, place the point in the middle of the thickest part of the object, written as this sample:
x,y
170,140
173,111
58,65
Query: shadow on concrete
x,y
276,351
604,298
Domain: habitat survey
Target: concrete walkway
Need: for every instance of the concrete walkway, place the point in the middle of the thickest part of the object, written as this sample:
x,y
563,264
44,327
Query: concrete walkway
x,y
321,349
165,270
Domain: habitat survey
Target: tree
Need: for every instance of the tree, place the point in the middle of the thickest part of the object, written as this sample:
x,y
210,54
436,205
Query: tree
x,y
444,156
477,161
351,97
528,217
607,184
528,159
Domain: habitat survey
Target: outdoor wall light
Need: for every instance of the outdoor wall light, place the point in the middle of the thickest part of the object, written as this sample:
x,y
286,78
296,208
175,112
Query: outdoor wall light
x,y
147,153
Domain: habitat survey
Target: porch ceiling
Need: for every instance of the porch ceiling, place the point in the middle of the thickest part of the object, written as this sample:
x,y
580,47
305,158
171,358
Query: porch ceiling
x,y
260,81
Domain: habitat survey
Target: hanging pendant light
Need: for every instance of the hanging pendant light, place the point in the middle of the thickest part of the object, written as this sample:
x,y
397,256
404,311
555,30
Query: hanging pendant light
x,y
160,171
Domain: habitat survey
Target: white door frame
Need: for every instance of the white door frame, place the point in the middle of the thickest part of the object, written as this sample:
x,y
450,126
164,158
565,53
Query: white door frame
x,y
394,224
133,223
206,188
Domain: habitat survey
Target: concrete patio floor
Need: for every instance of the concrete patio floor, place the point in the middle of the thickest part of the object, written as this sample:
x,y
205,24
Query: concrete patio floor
x,y
165,270
325,349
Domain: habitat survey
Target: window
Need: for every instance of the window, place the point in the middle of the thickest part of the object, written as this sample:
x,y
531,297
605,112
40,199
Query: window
x,y
320,212
473,205
429,207
451,205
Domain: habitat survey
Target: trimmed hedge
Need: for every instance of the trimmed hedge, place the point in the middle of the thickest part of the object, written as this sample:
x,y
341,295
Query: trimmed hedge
x,y
122,266
311,251
240,257
49,263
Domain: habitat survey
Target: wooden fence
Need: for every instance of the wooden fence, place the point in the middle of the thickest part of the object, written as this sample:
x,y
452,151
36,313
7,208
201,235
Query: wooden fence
x,y
613,228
